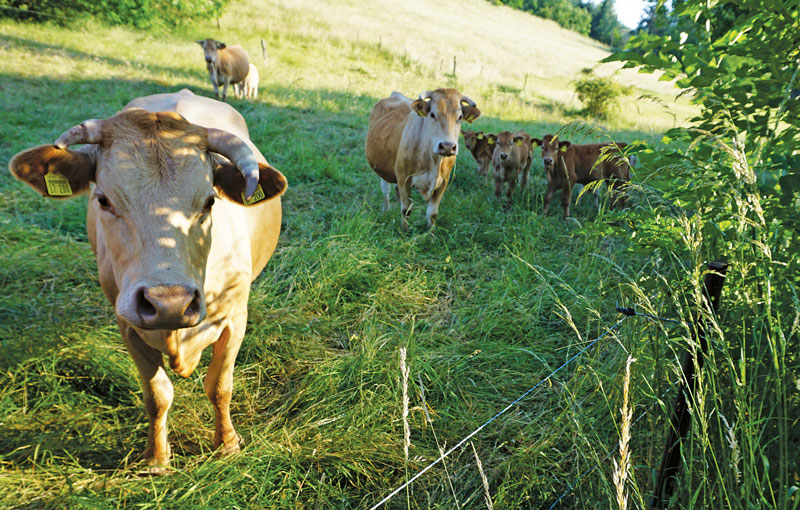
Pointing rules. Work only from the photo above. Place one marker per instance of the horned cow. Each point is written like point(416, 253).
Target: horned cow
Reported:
point(415, 143)
point(176, 246)
point(227, 65)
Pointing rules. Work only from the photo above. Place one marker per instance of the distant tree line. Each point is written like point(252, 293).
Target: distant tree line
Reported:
point(138, 13)
point(598, 21)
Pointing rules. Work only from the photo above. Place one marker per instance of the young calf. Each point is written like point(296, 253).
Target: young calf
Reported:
point(567, 164)
point(478, 144)
point(512, 155)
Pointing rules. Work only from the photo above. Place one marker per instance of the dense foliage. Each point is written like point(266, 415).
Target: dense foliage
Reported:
point(727, 187)
point(597, 21)
point(600, 95)
point(138, 13)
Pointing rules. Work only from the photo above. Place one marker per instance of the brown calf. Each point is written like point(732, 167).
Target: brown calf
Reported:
point(567, 164)
point(478, 144)
point(512, 156)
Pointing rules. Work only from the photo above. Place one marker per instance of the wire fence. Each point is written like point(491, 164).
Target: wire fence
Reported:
point(493, 418)
point(626, 312)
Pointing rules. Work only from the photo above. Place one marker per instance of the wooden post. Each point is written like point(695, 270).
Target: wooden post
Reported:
point(264, 50)
point(681, 419)
point(525, 83)
point(454, 66)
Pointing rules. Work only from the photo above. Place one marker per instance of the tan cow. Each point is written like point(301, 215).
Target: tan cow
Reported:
point(567, 164)
point(477, 142)
point(227, 65)
point(511, 160)
point(176, 247)
point(415, 143)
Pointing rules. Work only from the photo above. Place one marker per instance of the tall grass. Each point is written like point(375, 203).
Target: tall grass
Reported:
point(484, 308)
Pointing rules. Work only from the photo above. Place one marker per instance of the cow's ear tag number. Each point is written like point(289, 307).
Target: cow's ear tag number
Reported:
point(257, 196)
point(57, 185)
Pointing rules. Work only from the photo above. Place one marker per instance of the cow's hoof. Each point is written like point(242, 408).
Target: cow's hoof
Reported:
point(150, 468)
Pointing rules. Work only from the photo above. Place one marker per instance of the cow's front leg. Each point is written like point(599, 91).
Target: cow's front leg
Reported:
point(386, 188)
point(548, 196)
point(433, 204)
point(212, 73)
point(404, 190)
point(226, 81)
point(157, 395)
point(218, 385)
point(566, 198)
point(512, 184)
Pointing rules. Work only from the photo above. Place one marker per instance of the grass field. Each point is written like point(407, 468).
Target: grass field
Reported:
point(486, 306)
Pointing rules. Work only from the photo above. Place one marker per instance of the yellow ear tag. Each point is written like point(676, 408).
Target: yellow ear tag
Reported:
point(57, 185)
point(563, 148)
point(470, 118)
point(480, 137)
point(257, 196)
point(518, 142)
point(490, 141)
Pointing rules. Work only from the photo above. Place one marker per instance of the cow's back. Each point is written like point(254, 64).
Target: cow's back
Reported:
point(386, 123)
point(585, 157)
point(263, 218)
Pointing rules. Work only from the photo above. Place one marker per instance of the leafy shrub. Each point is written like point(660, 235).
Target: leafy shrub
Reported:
point(600, 96)
point(137, 13)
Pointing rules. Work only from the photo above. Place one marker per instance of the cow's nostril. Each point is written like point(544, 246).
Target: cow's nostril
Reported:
point(144, 307)
point(194, 307)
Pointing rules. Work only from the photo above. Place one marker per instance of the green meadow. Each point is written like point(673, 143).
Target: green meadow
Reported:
point(485, 306)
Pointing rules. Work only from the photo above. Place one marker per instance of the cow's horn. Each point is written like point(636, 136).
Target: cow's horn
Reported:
point(426, 95)
point(88, 131)
point(234, 148)
point(465, 99)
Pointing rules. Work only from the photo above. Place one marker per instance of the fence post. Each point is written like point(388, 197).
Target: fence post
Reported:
point(681, 419)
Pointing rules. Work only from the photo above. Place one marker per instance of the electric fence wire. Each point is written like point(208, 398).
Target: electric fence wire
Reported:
point(493, 418)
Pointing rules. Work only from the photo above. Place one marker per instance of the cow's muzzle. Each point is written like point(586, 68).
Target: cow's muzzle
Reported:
point(548, 162)
point(447, 148)
point(168, 307)
point(503, 155)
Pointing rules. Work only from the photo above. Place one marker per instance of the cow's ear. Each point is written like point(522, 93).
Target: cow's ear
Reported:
point(536, 142)
point(229, 180)
point(220, 45)
point(200, 42)
point(422, 107)
point(562, 146)
point(54, 172)
point(518, 140)
point(480, 135)
point(471, 113)
point(490, 139)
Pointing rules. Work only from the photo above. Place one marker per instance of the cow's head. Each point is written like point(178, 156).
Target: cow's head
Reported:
point(504, 141)
point(157, 178)
point(471, 138)
point(552, 147)
point(210, 47)
point(443, 110)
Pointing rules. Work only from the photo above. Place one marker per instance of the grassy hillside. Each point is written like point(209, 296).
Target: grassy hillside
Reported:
point(486, 306)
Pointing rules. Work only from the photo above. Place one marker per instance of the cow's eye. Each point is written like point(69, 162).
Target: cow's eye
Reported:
point(460, 117)
point(209, 204)
point(104, 203)
point(433, 116)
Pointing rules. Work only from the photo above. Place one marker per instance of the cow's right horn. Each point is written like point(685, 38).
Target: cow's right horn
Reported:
point(88, 131)
point(465, 99)
point(234, 148)
point(426, 95)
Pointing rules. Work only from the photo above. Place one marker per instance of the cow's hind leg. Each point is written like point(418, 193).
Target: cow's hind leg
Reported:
point(386, 187)
point(219, 389)
point(157, 395)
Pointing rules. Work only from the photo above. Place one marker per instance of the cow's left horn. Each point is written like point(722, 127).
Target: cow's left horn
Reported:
point(234, 148)
point(465, 99)
point(426, 95)
point(88, 131)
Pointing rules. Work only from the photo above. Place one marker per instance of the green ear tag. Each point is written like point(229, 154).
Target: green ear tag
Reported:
point(57, 185)
point(257, 196)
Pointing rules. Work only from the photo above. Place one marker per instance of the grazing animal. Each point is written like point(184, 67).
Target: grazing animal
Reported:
point(176, 246)
point(567, 164)
point(227, 65)
point(248, 88)
point(481, 149)
point(415, 143)
point(511, 160)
